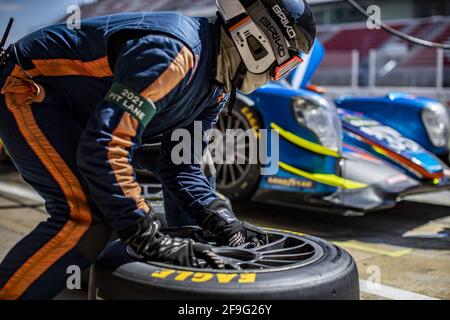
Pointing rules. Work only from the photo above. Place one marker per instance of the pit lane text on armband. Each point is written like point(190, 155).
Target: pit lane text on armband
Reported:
point(132, 102)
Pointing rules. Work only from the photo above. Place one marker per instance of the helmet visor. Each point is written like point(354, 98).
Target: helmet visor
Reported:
point(280, 71)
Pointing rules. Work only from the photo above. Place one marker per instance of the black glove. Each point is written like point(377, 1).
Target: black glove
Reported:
point(219, 219)
point(149, 244)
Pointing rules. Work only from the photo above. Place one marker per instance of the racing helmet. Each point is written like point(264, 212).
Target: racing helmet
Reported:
point(269, 34)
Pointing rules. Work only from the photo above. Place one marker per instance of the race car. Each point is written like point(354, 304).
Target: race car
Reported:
point(340, 160)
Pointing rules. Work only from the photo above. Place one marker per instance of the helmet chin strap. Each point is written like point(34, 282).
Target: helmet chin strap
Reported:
point(237, 83)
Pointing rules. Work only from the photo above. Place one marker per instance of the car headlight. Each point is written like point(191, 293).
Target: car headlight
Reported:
point(320, 116)
point(436, 121)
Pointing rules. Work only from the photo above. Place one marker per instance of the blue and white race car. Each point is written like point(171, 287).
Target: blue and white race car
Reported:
point(349, 156)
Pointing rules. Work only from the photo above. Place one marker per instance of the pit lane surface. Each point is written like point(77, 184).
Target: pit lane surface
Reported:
point(406, 249)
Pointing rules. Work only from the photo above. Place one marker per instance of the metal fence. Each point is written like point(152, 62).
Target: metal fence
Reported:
point(425, 72)
point(420, 67)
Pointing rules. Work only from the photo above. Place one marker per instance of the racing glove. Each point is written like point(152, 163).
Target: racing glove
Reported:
point(148, 243)
point(219, 219)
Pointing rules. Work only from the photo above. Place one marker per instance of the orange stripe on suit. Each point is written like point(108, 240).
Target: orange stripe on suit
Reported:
point(66, 67)
point(19, 95)
point(118, 155)
point(171, 77)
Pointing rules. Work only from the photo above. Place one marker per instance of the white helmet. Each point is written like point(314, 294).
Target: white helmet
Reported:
point(269, 34)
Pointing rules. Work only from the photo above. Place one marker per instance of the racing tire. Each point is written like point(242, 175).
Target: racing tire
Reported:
point(235, 181)
point(330, 274)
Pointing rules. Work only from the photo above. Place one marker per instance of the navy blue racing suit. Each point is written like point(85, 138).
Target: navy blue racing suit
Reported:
point(75, 107)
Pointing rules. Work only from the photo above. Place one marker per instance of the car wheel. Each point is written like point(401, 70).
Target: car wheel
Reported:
point(291, 266)
point(239, 181)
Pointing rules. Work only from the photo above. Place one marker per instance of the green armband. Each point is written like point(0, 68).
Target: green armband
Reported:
point(143, 110)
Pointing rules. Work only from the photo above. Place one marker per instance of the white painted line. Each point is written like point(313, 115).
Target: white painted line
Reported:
point(384, 291)
point(14, 189)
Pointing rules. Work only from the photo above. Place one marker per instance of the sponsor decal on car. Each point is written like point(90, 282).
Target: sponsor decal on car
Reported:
point(359, 122)
point(385, 134)
point(204, 277)
point(292, 183)
point(392, 138)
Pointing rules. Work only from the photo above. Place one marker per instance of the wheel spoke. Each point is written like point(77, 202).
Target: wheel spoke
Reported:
point(242, 158)
point(247, 265)
point(229, 123)
point(224, 174)
point(273, 262)
point(285, 250)
point(239, 167)
point(232, 173)
point(290, 257)
point(241, 138)
point(241, 149)
point(221, 124)
point(237, 124)
point(279, 243)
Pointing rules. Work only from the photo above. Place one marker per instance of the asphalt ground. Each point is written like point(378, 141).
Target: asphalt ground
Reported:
point(402, 253)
